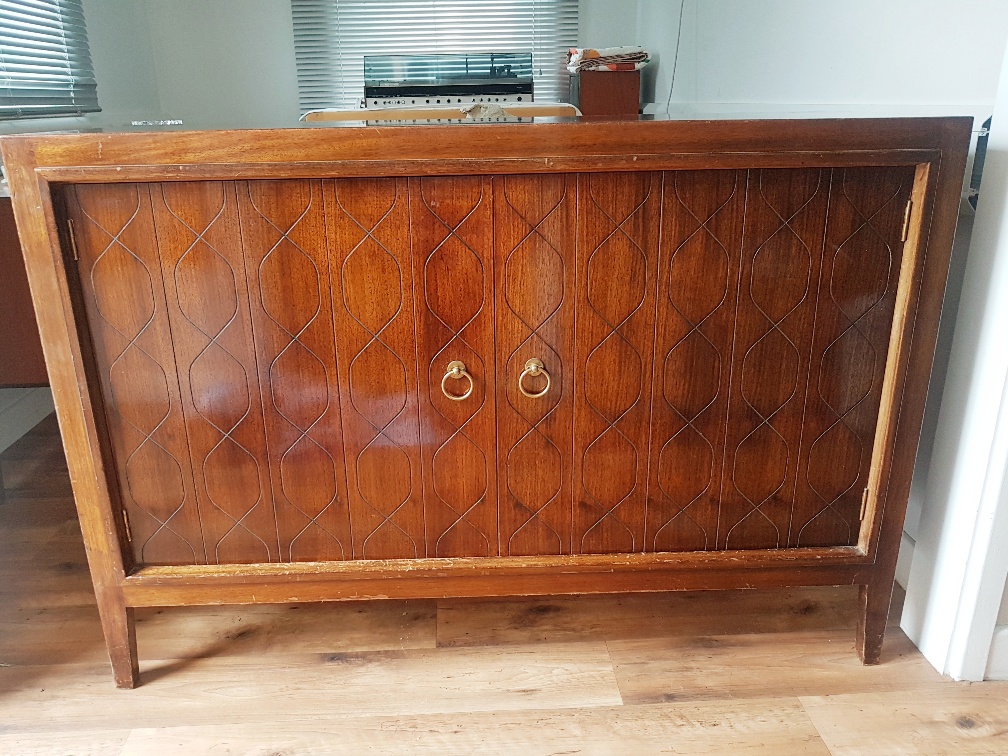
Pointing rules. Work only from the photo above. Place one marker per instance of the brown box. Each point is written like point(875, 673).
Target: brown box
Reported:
point(606, 93)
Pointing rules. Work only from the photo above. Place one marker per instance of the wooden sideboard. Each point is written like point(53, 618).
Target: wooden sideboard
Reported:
point(358, 362)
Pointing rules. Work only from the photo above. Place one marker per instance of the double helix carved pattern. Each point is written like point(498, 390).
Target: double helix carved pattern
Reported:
point(122, 285)
point(534, 288)
point(777, 283)
point(696, 316)
point(377, 376)
point(863, 258)
point(455, 280)
point(290, 286)
point(616, 372)
point(208, 300)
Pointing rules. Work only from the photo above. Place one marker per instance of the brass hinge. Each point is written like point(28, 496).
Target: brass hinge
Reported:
point(73, 239)
point(906, 221)
point(129, 536)
point(864, 503)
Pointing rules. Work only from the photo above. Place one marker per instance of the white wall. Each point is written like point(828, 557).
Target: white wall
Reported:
point(1003, 613)
point(119, 41)
point(123, 61)
point(857, 52)
point(225, 63)
point(607, 23)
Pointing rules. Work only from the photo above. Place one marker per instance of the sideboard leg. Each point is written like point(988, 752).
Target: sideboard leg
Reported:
point(120, 638)
point(874, 605)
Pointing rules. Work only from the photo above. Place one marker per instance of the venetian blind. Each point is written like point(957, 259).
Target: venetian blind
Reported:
point(331, 38)
point(45, 66)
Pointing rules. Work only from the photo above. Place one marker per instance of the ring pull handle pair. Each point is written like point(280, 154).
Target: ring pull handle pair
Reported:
point(457, 371)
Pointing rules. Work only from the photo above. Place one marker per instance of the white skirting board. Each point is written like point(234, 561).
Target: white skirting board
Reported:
point(904, 560)
point(997, 661)
point(21, 409)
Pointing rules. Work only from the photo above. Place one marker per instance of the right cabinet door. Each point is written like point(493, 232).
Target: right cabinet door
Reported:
point(775, 300)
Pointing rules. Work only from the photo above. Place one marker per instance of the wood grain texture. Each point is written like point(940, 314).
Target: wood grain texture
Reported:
point(21, 360)
point(372, 301)
point(205, 276)
point(564, 619)
point(950, 719)
point(855, 304)
point(781, 262)
point(772, 376)
point(534, 238)
point(911, 348)
point(73, 376)
point(339, 683)
point(349, 151)
point(385, 675)
point(451, 230)
point(287, 264)
point(124, 294)
point(703, 668)
point(618, 236)
point(695, 322)
point(744, 727)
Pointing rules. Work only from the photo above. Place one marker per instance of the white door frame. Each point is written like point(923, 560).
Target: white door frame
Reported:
point(960, 559)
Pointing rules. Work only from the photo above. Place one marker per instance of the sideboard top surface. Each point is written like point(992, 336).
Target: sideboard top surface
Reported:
point(489, 148)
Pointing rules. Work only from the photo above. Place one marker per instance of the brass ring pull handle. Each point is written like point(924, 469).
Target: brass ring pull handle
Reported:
point(534, 367)
point(456, 370)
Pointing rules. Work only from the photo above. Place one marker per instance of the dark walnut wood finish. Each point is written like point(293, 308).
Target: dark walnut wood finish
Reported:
point(21, 360)
point(531, 359)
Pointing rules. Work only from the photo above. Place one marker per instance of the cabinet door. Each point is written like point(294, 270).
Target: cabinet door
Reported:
point(861, 266)
point(283, 233)
point(376, 342)
point(772, 342)
point(124, 298)
point(205, 278)
point(534, 222)
point(618, 232)
point(698, 275)
point(452, 236)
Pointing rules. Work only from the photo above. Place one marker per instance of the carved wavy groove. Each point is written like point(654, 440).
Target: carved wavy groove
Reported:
point(830, 499)
point(294, 339)
point(381, 435)
point(133, 345)
point(612, 423)
point(533, 229)
point(459, 430)
point(754, 500)
point(687, 416)
point(212, 335)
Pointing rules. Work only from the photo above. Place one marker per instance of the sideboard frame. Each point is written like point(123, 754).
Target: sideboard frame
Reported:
point(38, 165)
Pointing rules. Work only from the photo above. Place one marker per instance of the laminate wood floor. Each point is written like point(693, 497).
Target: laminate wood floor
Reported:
point(745, 672)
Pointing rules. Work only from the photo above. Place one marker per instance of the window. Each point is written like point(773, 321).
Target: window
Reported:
point(331, 38)
point(45, 66)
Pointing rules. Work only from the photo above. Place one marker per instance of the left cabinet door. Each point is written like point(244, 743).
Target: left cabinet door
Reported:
point(214, 345)
point(124, 298)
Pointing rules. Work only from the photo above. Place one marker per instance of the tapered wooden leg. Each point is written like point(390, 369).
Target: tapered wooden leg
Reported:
point(120, 638)
point(874, 606)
